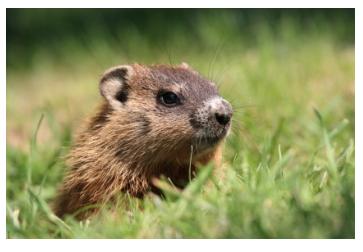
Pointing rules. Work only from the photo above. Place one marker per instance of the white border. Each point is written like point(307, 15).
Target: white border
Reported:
point(358, 123)
point(3, 124)
point(180, 4)
point(185, 245)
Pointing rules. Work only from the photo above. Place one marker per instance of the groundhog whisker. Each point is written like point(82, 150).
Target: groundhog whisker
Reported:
point(222, 73)
point(211, 63)
point(169, 55)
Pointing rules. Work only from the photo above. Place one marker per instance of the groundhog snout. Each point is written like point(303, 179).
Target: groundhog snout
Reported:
point(222, 112)
point(213, 117)
point(219, 116)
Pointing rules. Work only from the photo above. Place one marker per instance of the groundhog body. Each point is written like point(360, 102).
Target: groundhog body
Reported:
point(154, 120)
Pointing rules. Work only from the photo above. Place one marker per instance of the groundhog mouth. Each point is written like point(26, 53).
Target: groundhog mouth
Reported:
point(209, 139)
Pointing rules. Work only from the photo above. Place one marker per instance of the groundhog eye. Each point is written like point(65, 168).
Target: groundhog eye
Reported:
point(169, 99)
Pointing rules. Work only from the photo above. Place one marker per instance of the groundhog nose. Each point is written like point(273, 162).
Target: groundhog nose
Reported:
point(222, 119)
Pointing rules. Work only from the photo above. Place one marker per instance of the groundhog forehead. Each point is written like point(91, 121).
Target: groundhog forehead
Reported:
point(181, 79)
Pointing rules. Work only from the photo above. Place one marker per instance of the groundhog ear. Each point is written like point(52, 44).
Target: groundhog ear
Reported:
point(184, 65)
point(114, 84)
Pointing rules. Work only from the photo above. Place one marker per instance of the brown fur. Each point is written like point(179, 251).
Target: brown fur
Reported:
point(123, 149)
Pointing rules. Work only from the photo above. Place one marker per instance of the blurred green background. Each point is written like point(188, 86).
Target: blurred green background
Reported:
point(291, 171)
point(34, 31)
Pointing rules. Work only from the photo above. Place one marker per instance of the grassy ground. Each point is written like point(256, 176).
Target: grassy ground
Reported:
point(289, 159)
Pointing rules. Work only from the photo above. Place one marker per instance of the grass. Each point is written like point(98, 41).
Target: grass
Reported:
point(289, 160)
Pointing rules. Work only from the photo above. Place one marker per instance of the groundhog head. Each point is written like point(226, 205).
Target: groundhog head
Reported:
point(168, 108)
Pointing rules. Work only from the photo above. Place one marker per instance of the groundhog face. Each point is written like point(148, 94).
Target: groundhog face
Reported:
point(174, 106)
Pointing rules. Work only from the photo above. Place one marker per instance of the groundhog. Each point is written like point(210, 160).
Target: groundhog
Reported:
point(154, 121)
